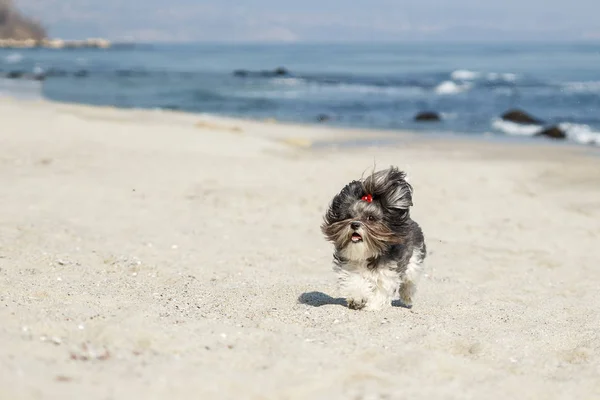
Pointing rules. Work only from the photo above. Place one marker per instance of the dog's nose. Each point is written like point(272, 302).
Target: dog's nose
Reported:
point(355, 225)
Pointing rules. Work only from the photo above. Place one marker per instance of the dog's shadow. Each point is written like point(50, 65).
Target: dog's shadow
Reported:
point(319, 299)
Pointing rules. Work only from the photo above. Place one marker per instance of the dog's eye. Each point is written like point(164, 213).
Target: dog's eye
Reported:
point(370, 218)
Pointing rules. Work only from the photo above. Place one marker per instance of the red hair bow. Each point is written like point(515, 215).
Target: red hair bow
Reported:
point(368, 198)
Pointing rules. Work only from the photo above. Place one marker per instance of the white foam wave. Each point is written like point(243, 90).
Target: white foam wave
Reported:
point(507, 77)
point(579, 133)
point(464, 75)
point(511, 128)
point(449, 87)
point(446, 116)
point(13, 58)
point(371, 89)
point(289, 81)
point(583, 87)
point(303, 89)
point(285, 86)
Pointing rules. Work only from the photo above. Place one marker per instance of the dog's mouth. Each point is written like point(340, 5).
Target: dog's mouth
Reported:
point(356, 238)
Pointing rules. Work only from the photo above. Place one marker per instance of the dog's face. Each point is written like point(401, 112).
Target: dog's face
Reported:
point(368, 215)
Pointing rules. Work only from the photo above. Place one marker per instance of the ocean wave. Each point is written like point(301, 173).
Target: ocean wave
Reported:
point(511, 128)
point(579, 133)
point(299, 85)
point(13, 58)
point(507, 77)
point(289, 81)
point(449, 116)
point(582, 87)
point(450, 87)
point(464, 75)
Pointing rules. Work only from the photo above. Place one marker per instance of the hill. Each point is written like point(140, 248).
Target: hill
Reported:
point(14, 25)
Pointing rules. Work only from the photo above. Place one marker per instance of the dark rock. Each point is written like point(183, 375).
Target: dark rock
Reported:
point(427, 116)
point(323, 118)
point(82, 73)
point(173, 107)
point(553, 132)
point(520, 117)
point(242, 73)
point(14, 74)
point(281, 71)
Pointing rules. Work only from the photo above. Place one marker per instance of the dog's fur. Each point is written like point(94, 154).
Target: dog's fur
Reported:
point(384, 262)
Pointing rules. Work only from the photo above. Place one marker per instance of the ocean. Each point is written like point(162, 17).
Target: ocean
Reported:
point(378, 86)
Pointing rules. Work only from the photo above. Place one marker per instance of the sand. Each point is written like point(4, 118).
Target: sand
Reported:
point(157, 255)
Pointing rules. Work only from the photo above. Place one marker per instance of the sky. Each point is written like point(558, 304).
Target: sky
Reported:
point(318, 20)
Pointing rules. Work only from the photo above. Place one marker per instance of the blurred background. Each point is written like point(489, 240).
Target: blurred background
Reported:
point(508, 69)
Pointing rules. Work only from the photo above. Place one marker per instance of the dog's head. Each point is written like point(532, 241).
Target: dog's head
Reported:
point(368, 215)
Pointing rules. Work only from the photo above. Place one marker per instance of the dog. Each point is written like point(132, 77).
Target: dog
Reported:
point(379, 250)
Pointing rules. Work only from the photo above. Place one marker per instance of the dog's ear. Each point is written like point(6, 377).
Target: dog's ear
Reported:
point(391, 188)
point(344, 199)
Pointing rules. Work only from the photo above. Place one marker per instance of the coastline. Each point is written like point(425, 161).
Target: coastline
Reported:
point(304, 134)
point(468, 97)
point(163, 254)
point(55, 43)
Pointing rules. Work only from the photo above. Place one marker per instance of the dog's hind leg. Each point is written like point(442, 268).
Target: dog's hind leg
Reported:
point(411, 276)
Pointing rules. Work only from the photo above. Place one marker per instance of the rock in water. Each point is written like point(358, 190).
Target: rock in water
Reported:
point(244, 73)
point(323, 117)
point(553, 132)
point(427, 116)
point(519, 117)
point(281, 71)
point(241, 73)
point(14, 74)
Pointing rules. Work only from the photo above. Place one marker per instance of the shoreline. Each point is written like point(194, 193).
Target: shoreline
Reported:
point(317, 135)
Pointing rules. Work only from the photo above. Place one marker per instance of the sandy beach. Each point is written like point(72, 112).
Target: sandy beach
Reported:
point(157, 255)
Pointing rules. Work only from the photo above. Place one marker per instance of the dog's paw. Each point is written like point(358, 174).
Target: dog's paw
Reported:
point(406, 303)
point(356, 304)
point(407, 291)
